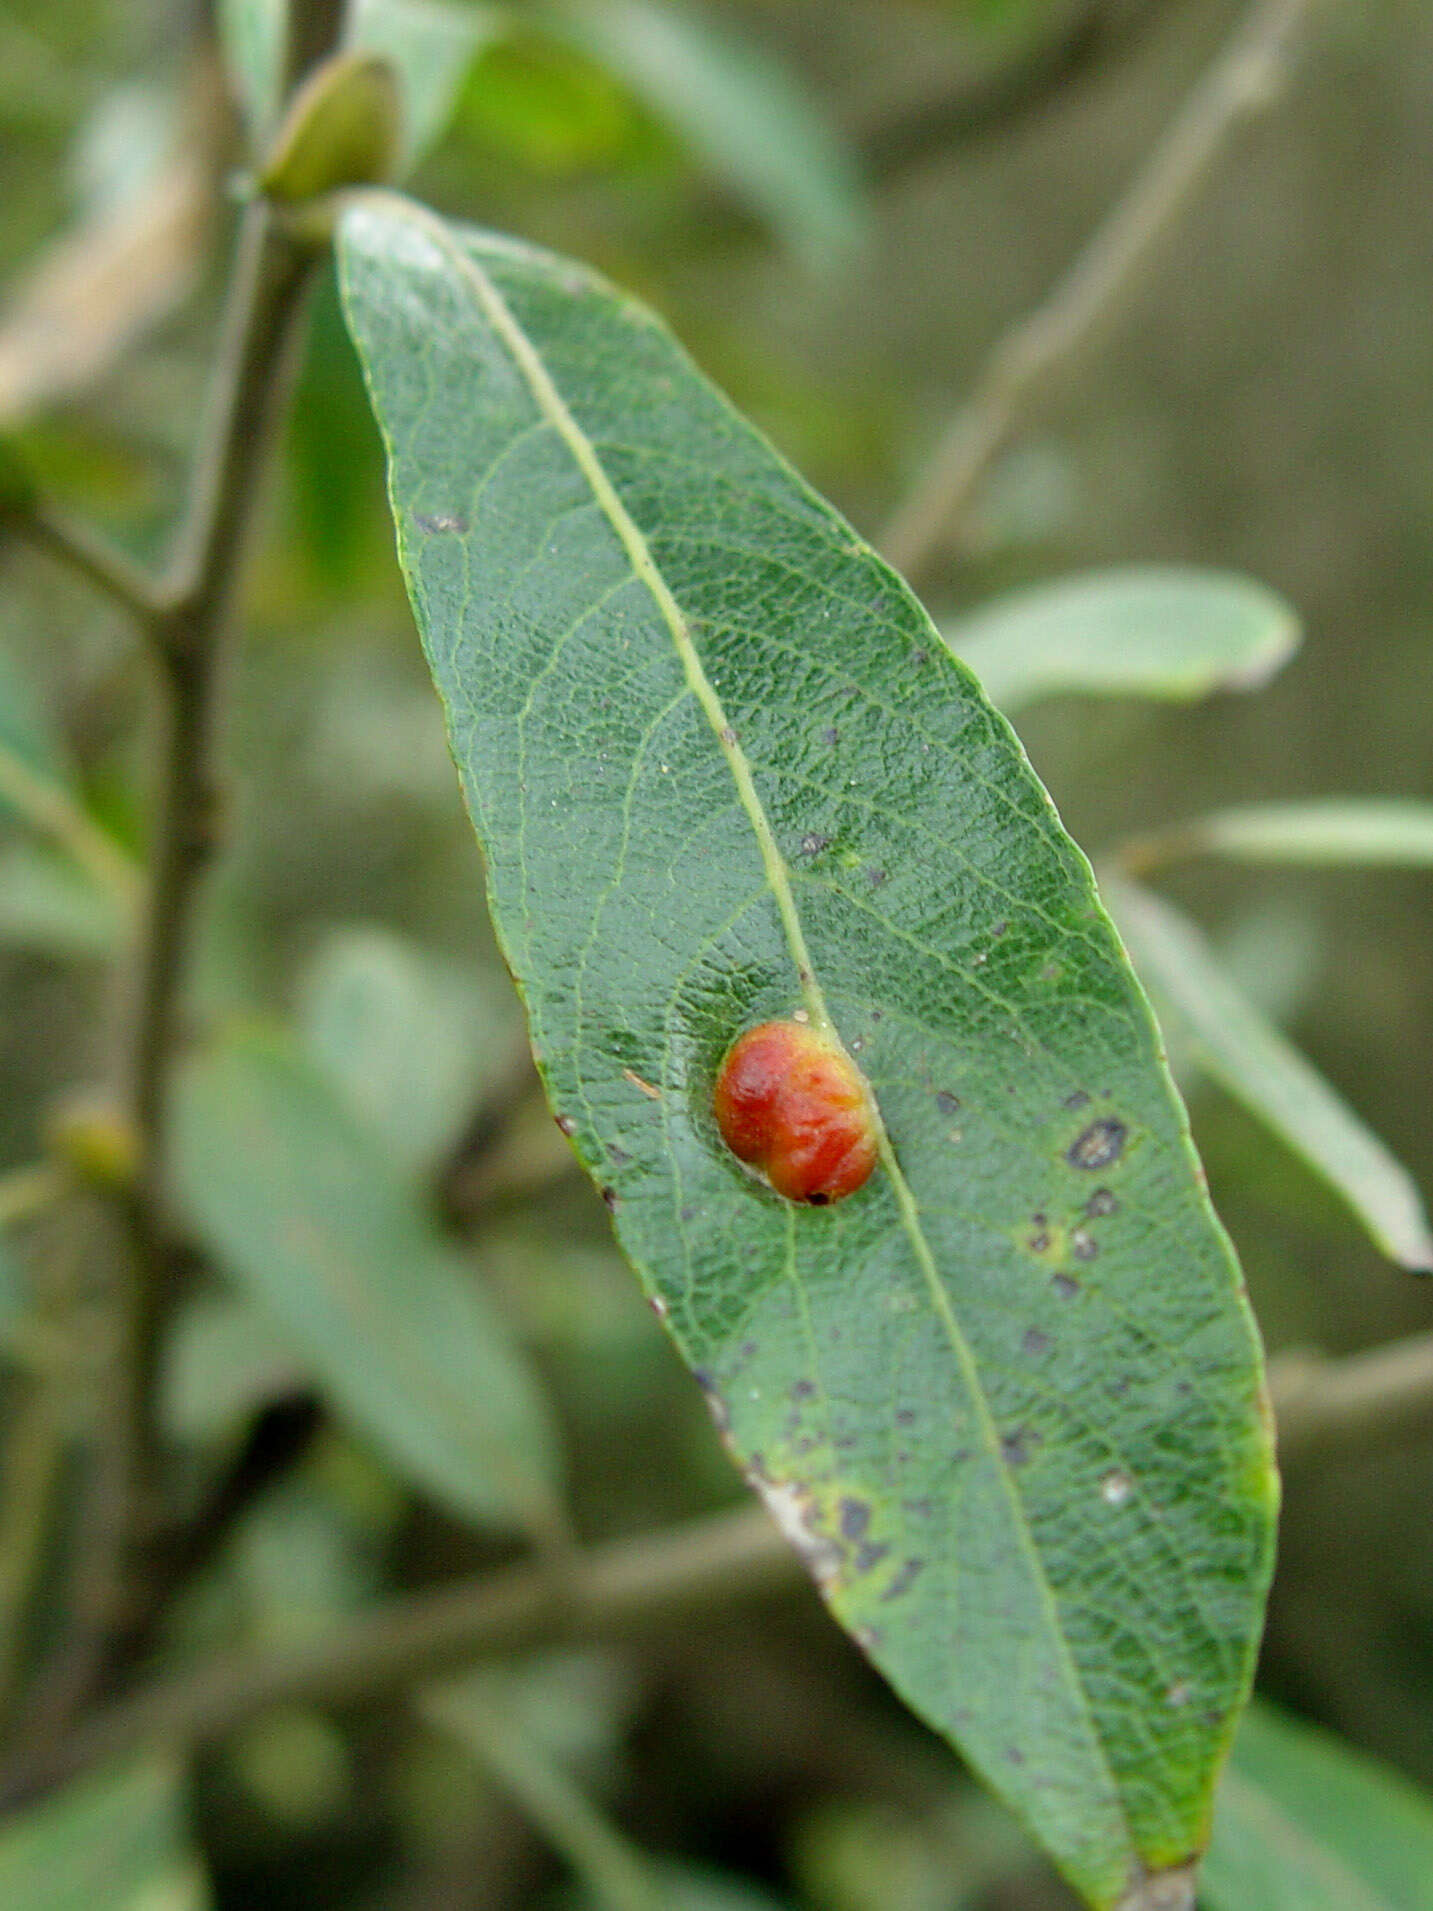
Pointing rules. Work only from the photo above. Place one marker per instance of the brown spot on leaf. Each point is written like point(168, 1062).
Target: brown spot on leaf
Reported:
point(1100, 1144)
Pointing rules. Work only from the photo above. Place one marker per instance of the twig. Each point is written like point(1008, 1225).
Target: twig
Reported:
point(1357, 1404)
point(630, 1586)
point(615, 1590)
point(1244, 79)
point(618, 1876)
point(187, 622)
point(83, 551)
point(1038, 72)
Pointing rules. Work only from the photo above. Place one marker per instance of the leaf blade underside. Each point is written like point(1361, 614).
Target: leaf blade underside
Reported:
point(724, 771)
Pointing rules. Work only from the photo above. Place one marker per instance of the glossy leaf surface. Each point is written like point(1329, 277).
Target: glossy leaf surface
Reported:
point(299, 1204)
point(1306, 1823)
point(1159, 631)
point(1262, 1069)
point(1006, 1398)
point(115, 1842)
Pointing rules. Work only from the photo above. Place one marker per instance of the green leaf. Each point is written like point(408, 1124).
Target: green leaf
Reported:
point(1371, 830)
point(254, 34)
point(1305, 1823)
point(1152, 631)
point(116, 1842)
point(1006, 1399)
point(431, 46)
point(301, 1206)
point(53, 905)
point(1264, 1071)
point(224, 1361)
point(737, 108)
point(410, 1040)
point(30, 748)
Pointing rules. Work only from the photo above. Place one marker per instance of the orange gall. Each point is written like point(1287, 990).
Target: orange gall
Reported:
point(790, 1102)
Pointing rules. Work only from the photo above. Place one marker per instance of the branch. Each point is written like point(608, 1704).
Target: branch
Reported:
point(187, 619)
point(1244, 79)
point(84, 552)
point(619, 1589)
point(1358, 1404)
point(626, 1588)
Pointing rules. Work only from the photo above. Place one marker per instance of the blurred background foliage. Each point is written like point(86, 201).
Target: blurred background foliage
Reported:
point(1261, 403)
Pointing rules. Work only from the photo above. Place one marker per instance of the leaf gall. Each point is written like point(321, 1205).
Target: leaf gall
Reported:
point(789, 1102)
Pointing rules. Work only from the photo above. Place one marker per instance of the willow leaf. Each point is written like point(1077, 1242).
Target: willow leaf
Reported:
point(1006, 1398)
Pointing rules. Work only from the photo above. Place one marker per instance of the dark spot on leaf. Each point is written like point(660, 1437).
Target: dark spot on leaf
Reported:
point(812, 844)
point(905, 1416)
point(998, 929)
point(1078, 1100)
point(1100, 1144)
point(705, 1379)
point(747, 1349)
point(875, 877)
point(855, 1518)
point(803, 1389)
point(843, 1441)
point(566, 1124)
point(904, 1579)
point(689, 1214)
point(1038, 1242)
point(869, 1556)
point(1066, 1286)
point(947, 1103)
point(921, 657)
point(440, 521)
point(1014, 1755)
point(918, 1509)
point(1083, 1245)
point(1017, 1448)
point(831, 736)
point(1101, 1202)
point(609, 1195)
point(1034, 1343)
point(619, 1157)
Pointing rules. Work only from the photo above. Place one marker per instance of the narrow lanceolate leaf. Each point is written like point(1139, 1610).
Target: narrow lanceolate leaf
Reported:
point(431, 45)
point(117, 1842)
point(1005, 1397)
point(736, 106)
point(1305, 1823)
point(1149, 631)
point(299, 1204)
point(1264, 1071)
point(1372, 831)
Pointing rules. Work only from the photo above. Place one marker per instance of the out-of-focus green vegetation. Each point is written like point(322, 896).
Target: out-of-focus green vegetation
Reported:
point(1261, 405)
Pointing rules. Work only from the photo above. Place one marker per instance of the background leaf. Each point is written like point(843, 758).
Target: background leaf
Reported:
point(116, 1842)
point(254, 34)
point(300, 1205)
point(410, 1039)
point(1264, 1071)
point(723, 770)
point(1371, 830)
point(738, 109)
point(432, 46)
point(1148, 631)
point(1305, 1823)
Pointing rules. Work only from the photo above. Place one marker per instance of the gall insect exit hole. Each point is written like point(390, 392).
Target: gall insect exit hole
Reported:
point(789, 1102)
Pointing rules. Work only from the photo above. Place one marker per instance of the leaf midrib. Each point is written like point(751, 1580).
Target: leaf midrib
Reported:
point(551, 403)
